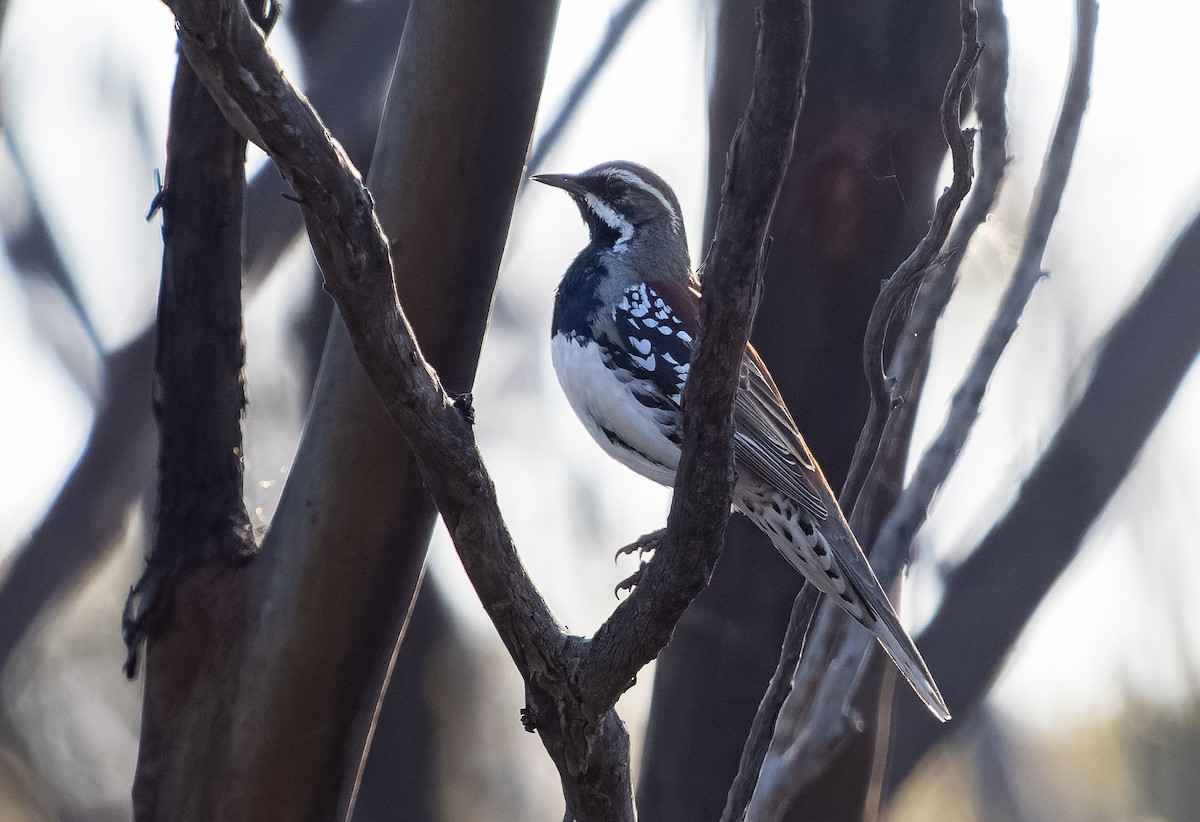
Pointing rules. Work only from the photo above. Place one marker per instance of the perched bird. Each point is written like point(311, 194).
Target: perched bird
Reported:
point(626, 315)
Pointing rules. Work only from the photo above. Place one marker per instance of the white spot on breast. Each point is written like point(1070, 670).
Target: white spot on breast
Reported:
point(643, 346)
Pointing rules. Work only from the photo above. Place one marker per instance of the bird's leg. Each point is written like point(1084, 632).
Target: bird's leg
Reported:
point(643, 545)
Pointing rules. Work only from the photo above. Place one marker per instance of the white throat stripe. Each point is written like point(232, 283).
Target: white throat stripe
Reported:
point(612, 218)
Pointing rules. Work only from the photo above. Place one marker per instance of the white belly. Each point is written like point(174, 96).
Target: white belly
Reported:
point(603, 403)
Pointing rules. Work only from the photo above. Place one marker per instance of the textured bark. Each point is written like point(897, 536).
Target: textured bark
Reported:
point(190, 601)
point(348, 60)
point(854, 204)
point(340, 565)
point(571, 683)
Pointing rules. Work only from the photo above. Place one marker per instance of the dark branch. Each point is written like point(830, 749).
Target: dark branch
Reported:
point(819, 718)
point(761, 149)
point(571, 683)
point(991, 85)
point(909, 512)
point(202, 532)
point(895, 298)
point(763, 727)
point(199, 355)
point(990, 597)
point(827, 721)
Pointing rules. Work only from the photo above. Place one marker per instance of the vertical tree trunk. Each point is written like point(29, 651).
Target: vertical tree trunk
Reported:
point(855, 202)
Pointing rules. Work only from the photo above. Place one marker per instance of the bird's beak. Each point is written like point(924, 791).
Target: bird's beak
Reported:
point(567, 182)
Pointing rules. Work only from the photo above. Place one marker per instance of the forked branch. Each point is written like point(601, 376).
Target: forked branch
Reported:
point(572, 683)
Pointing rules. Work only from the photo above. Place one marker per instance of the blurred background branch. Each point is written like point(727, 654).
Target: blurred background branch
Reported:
point(1089, 714)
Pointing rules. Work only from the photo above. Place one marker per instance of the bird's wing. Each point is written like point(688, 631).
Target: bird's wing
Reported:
point(768, 442)
point(649, 345)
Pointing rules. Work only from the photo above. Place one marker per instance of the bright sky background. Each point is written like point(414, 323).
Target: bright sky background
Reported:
point(1135, 184)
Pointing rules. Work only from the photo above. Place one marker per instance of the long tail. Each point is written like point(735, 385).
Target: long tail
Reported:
point(834, 563)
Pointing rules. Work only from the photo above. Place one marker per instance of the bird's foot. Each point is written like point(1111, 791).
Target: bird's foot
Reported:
point(643, 545)
point(630, 581)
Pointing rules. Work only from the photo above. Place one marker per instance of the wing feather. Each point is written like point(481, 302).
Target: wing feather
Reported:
point(769, 443)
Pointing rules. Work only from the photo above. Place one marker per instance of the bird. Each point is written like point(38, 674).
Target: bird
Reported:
point(625, 320)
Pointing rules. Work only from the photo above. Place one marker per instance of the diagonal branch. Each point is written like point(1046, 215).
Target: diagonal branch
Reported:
point(820, 725)
point(895, 298)
point(758, 159)
point(571, 683)
point(901, 525)
point(990, 597)
point(763, 727)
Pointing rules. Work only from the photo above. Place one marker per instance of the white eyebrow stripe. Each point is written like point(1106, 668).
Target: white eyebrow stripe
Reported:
point(637, 181)
point(612, 218)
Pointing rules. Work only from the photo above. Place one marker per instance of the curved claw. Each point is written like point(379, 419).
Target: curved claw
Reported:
point(630, 581)
point(642, 545)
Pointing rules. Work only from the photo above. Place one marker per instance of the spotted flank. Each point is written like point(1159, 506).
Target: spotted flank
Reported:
point(828, 556)
point(793, 532)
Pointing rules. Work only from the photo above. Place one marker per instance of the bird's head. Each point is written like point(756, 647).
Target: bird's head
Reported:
point(629, 210)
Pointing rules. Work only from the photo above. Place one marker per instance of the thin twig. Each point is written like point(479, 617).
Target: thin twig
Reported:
point(909, 512)
point(991, 85)
point(618, 26)
point(826, 722)
point(989, 598)
point(763, 726)
point(895, 298)
point(802, 726)
point(910, 363)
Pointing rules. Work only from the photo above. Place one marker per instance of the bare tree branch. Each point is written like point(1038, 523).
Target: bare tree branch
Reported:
point(865, 164)
point(991, 84)
point(991, 596)
point(901, 525)
point(817, 720)
point(584, 738)
point(758, 159)
point(202, 530)
point(81, 524)
point(895, 298)
point(828, 718)
point(763, 727)
point(337, 571)
point(348, 61)
point(199, 356)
